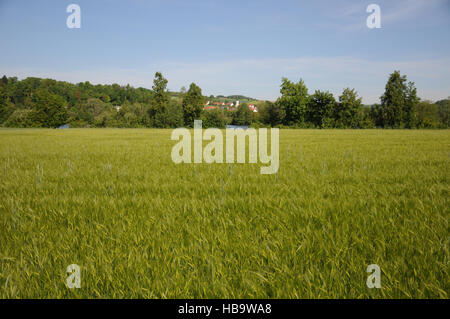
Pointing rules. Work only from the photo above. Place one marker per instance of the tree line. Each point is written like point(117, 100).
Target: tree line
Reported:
point(399, 108)
point(36, 102)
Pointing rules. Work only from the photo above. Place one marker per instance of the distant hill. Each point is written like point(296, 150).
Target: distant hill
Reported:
point(229, 98)
point(217, 98)
point(239, 97)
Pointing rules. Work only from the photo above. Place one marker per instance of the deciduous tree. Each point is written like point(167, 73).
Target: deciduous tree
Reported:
point(293, 101)
point(399, 102)
point(160, 100)
point(242, 116)
point(320, 108)
point(346, 110)
point(192, 104)
point(49, 109)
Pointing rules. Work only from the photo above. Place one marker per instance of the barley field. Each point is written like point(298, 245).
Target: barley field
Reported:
point(139, 226)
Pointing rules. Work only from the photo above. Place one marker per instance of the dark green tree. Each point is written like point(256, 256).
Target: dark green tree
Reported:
point(242, 116)
point(293, 101)
point(6, 108)
point(376, 114)
point(347, 110)
point(320, 109)
point(49, 109)
point(271, 113)
point(4, 80)
point(427, 115)
point(411, 102)
point(444, 112)
point(393, 100)
point(175, 116)
point(399, 102)
point(364, 119)
point(20, 118)
point(192, 104)
point(160, 101)
point(214, 118)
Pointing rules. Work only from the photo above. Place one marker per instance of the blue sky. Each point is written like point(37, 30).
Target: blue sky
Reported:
point(231, 47)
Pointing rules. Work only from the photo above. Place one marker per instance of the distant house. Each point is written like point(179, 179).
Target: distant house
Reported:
point(64, 126)
point(117, 107)
point(207, 108)
point(253, 108)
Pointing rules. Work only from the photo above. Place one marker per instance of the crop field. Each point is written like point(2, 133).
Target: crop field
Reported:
point(139, 226)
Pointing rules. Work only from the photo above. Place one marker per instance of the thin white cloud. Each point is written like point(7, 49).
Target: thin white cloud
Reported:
point(351, 16)
point(408, 9)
